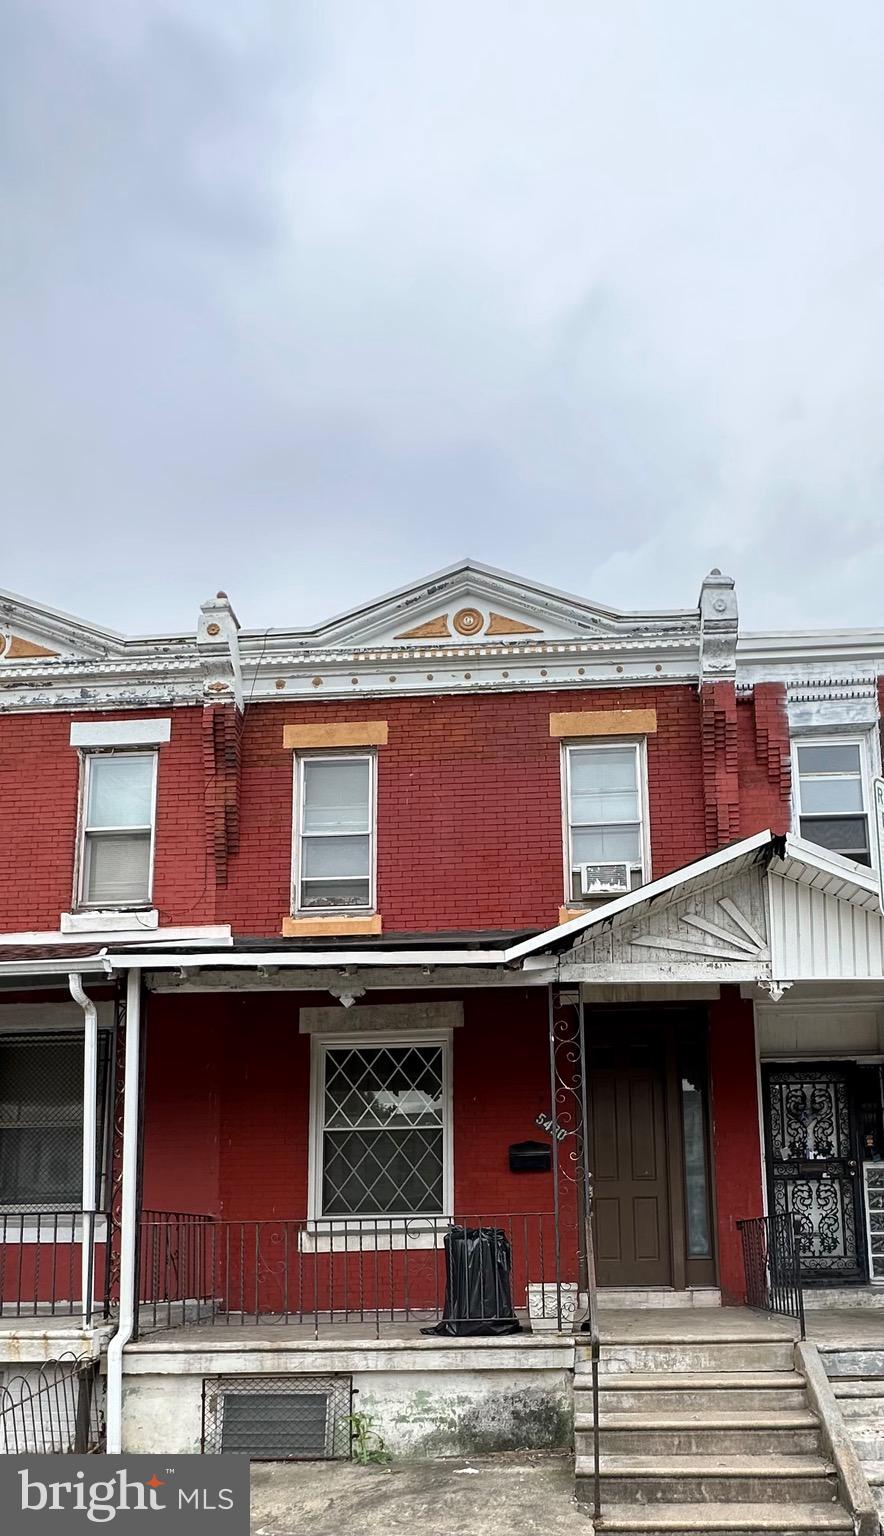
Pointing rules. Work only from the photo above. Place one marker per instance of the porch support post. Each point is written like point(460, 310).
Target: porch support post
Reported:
point(128, 1216)
point(554, 1126)
point(590, 1323)
point(90, 1142)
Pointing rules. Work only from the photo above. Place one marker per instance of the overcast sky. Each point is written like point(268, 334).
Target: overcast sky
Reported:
point(305, 300)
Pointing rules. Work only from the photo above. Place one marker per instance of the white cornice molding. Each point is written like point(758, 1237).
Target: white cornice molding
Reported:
point(361, 653)
point(801, 648)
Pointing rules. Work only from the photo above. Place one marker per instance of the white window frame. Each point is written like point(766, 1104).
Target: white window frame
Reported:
point(609, 743)
point(80, 902)
point(861, 739)
point(367, 1227)
point(301, 758)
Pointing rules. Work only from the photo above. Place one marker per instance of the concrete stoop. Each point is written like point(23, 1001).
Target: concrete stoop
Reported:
point(705, 1435)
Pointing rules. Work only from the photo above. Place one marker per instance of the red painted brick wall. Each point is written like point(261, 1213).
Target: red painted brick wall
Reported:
point(469, 804)
point(735, 1131)
point(39, 770)
point(226, 1134)
point(227, 1091)
point(765, 761)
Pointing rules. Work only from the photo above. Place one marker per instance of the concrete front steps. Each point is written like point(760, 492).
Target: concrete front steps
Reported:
point(710, 1433)
point(861, 1400)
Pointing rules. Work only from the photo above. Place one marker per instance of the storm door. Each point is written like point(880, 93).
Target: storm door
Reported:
point(813, 1166)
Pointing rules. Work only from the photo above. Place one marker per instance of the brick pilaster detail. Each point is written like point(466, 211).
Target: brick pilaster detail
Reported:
point(721, 776)
point(222, 762)
point(772, 747)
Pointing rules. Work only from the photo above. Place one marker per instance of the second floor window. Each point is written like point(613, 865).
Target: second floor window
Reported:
point(334, 839)
point(605, 819)
point(831, 798)
point(116, 852)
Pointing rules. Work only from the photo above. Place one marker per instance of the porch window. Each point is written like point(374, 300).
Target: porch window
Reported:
point(832, 798)
point(383, 1138)
point(116, 853)
point(41, 1119)
point(334, 842)
point(605, 819)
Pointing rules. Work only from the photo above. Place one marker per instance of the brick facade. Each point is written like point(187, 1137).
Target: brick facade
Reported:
point(470, 826)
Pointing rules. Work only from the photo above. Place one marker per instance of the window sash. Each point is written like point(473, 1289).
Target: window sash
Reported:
point(93, 833)
point(807, 818)
point(301, 881)
point(575, 825)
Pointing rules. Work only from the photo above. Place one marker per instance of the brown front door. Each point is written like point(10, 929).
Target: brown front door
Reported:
point(630, 1181)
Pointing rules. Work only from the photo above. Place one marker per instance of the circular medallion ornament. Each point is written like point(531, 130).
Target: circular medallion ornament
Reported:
point(467, 621)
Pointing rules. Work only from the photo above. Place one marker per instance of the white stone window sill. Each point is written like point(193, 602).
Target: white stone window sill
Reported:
point(129, 920)
point(374, 1236)
point(52, 1228)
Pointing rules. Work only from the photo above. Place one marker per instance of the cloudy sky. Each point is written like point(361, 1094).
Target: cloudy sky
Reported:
point(307, 298)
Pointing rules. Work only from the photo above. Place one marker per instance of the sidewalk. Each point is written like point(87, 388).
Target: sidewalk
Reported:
point(521, 1494)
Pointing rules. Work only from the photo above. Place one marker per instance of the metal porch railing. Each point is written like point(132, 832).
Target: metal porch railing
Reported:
point(772, 1266)
point(50, 1260)
point(321, 1274)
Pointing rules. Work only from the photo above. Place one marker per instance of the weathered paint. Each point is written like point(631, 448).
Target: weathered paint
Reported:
point(415, 1412)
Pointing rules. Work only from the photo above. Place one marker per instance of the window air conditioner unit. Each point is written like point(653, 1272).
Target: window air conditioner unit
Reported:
point(604, 879)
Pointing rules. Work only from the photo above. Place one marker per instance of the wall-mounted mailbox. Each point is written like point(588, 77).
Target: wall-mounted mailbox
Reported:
point(530, 1157)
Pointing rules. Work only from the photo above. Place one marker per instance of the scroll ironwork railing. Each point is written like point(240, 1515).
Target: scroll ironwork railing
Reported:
point(54, 1410)
point(772, 1266)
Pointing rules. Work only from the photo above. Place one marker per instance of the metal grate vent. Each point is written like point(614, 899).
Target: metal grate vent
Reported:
point(278, 1418)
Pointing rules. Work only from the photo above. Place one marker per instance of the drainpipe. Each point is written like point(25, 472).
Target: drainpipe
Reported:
point(90, 1141)
point(128, 1219)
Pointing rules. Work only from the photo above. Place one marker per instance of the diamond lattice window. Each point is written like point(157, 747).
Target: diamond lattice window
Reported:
point(383, 1132)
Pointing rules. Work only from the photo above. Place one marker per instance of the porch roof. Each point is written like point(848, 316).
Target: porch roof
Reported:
point(791, 909)
point(793, 858)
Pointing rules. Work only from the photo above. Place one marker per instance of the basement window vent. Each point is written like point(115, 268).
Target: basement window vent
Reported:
point(278, 1418)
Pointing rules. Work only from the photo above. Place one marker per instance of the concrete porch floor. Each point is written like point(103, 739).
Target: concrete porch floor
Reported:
point(837, 1326)
point(842, 1326)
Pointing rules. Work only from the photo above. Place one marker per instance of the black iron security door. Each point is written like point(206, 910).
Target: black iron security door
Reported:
point(811, 1136)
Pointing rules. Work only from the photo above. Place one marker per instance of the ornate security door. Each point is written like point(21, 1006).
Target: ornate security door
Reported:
point(813, 1165)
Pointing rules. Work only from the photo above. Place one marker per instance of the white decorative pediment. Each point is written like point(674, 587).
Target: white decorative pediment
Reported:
point(473, 603)
point(719, 932)
point(30, 632)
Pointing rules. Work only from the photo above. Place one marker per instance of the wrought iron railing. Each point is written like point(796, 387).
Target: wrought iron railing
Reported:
point(51, 1260)
point(375, 1272)
point(55, 1409)
point(772, 1266)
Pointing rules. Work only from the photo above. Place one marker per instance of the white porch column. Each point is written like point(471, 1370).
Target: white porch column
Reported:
point(128, 1217)
point(90, 1143)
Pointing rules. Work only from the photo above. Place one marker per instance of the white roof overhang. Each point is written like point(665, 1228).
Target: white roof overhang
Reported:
point(765, 910)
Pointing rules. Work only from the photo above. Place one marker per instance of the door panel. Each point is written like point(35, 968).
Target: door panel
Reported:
point(812, 1165)
point(607, 1231)
point(629, 1158)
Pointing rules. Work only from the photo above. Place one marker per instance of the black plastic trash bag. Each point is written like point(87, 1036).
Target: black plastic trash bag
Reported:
point(478, 1293)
